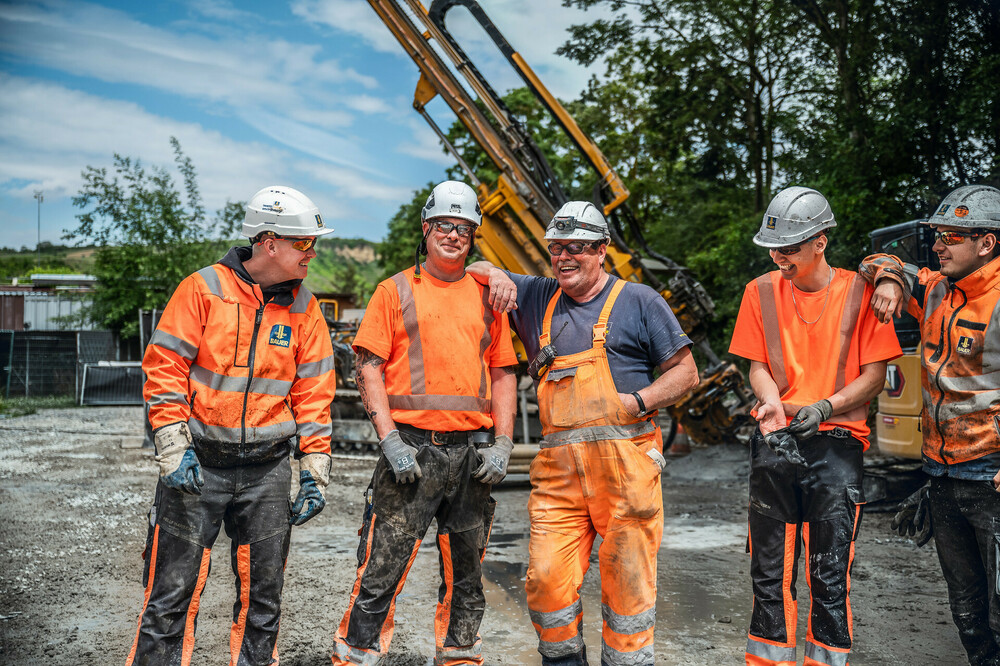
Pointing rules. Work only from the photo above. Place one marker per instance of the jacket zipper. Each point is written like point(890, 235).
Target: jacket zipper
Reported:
point(946, 339)
point(246, 392)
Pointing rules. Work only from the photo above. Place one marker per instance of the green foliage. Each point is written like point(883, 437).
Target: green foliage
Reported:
point(147, 238)
point(397, 250)
point(344, 265)
point(14, 407)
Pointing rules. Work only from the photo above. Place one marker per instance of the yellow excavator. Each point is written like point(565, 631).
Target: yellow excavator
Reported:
point(518, 206)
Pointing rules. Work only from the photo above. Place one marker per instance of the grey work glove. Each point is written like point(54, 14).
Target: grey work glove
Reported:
point(494, 460)
point(179, 466)
point(784, 443)
point(914, 517)
point(314, 477)
point(807, 420)
point(402, 458)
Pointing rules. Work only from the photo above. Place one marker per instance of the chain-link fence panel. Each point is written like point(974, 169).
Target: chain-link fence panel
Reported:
point(38, 363)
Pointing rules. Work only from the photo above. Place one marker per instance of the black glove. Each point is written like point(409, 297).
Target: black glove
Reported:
point(785, 445)
point(914, 517)
point(807, 420)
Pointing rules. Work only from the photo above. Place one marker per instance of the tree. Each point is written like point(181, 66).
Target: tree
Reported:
point(147, 239)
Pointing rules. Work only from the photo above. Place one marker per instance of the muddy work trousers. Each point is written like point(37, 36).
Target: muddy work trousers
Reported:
point(395, 521)
point(817, 509)
point(580, 490)
point(252, 502)
point(966, 520)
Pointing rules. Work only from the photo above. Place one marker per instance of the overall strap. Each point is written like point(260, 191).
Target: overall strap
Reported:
point(544, 338)
point(601, 327)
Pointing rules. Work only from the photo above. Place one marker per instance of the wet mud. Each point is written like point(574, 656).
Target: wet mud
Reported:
point(73, 506)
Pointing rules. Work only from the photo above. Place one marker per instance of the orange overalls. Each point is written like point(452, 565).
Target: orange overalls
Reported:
point(593, 475)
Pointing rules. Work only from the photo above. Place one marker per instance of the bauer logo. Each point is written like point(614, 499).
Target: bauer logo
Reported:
point(771, 220)
point(965, 345)
point(281, 335)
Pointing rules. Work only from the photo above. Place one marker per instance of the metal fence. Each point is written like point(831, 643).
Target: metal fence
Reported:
point(52, 363)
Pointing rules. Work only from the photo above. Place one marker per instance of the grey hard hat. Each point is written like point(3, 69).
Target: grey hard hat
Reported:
point(969, 206)
point(794, 215)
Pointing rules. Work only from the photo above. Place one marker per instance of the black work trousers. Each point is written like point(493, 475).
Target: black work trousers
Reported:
point(395, 521)
point(252, 502)
point(816, 508)
point(966, 520)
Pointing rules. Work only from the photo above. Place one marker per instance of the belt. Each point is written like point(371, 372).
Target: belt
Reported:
point(446, 438)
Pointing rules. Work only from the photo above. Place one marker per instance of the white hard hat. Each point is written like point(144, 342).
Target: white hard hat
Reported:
point(795, 214)
point(283, 211)
point(452, 199)
point(971, 206)
point(577, 220)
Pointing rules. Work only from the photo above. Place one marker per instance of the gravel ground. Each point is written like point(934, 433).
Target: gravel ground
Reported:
point(73, 503)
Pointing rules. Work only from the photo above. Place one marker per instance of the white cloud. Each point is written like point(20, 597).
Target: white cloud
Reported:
point(350, 16)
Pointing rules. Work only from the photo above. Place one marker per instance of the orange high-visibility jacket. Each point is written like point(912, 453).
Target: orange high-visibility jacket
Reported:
point(246, 376)
point(960, 355)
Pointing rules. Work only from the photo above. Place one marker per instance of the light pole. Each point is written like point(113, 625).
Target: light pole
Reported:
point(38, 252)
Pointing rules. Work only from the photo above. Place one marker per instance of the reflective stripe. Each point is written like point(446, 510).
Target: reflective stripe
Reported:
point(259, 385)
point(628, 624)
point(934, 299)
point(171, 398)
point(980, 402)
point(971, 383)
point(355, 655)
point(182, 348)
point(315, 368)
point(321, 429)
point(774, 653)
point(991, 340)
point(772, 333)
point(215, 433)
point(415, 354)
point(848, 321)
point(211, 280)
point(301, 303)
point(443, 403)
point(557, 618)
point(597, 433)
point(825, 656)
point(556, 649)
point(641, 657)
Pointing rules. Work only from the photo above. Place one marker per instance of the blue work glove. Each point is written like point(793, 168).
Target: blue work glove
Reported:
point(179, 467)
point(784, 443)
point(807, 420)
point(402, 458)
point(493, 467)
point(314, 476)
point(914, 517)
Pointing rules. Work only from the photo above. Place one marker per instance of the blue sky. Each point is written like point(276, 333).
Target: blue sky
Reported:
point(315, 94)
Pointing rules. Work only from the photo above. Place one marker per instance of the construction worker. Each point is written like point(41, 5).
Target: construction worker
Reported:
point(239, 374)
point(435, 370)
point(596, 342)
point(817, 357)
point(958, 309)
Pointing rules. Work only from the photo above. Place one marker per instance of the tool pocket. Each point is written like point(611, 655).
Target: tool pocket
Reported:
point(855, 504)
point(996, 556)
point(489, 509)
point(147, 553)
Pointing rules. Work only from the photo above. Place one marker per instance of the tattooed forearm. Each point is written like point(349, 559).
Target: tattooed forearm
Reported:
point(366, 358)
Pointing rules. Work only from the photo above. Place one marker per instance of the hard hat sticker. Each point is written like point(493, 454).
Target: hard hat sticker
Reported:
point(456, 208)
point(771, 221)
point(319, 221)
point(961, 211)
point(942, 210)
point(276, 207)
point(281, 335)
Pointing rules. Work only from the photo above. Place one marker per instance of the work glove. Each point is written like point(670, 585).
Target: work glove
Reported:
point(784, 443)
point(314, 476)
point(807, 420)
point(402, 458)
point(494, 459)
point(179, 467)
point(914, 517)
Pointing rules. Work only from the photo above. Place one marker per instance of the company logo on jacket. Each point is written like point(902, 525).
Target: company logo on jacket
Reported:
point(281, 335)
point(965, 345)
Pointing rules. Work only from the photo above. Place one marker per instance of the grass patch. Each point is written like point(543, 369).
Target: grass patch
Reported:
point(12, 407)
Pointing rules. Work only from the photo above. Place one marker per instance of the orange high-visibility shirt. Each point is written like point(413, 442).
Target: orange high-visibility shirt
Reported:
point(440, 340)
point(814, 361)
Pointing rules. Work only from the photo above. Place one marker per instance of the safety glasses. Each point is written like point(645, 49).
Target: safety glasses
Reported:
point(573, 247)
point(446, 227)
point(789, 250)
point(300, 244)
point(955, 237)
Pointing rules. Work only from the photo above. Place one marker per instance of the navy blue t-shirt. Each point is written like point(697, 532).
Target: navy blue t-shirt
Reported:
point(642, 331)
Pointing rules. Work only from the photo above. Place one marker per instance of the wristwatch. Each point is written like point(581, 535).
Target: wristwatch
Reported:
point(642, 405)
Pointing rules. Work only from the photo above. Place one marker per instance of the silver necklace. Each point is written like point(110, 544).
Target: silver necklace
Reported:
point(826, 300)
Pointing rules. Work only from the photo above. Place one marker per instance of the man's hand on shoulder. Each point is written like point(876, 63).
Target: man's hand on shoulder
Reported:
point(887, 301)
point(502, 290)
